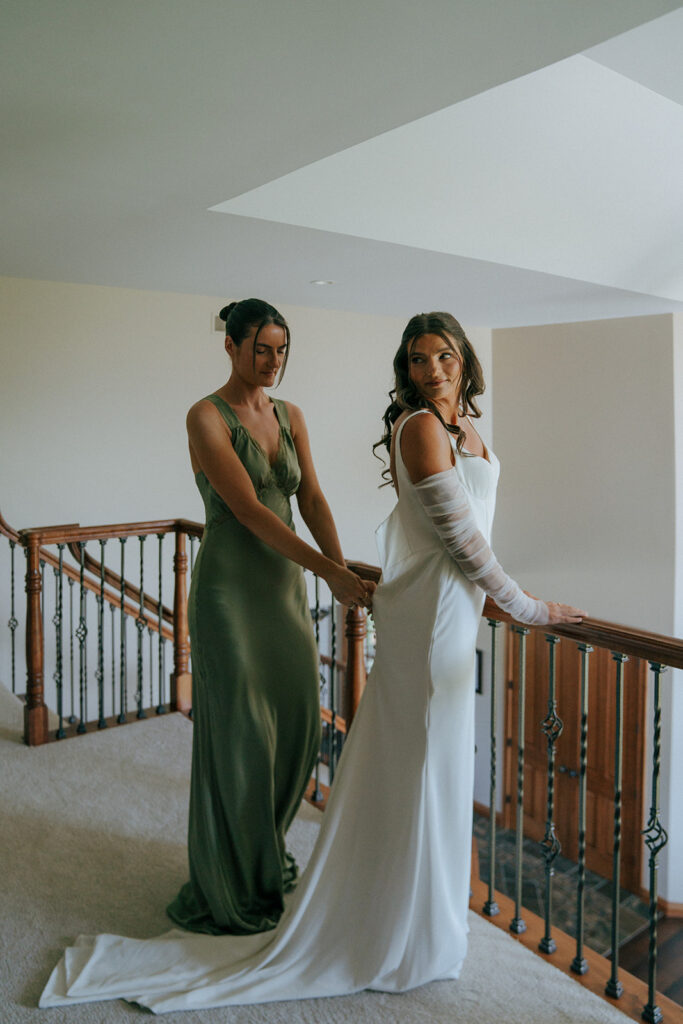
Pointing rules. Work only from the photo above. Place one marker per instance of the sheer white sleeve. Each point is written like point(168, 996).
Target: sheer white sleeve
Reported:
point(445, 501)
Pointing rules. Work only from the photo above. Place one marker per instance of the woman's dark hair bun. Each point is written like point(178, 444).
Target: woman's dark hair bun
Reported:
point(252, 315)
point(226, 311)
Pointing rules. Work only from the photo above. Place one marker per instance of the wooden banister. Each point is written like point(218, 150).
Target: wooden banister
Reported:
point(355, 632)
point(638, 643)
point(35, 709)
point(181, 680)
point(665, 650)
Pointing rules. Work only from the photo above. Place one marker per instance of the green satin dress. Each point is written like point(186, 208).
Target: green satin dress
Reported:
point(255, 703)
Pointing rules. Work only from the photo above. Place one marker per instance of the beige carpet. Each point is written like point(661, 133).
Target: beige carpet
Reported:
point(93, 839)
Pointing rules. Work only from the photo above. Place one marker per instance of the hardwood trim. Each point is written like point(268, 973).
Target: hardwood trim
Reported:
point(190, 526)
point(35, 709)
point(635, 995)
point(339, 722)
point(8, 531)
point(73, 532)
point(667, 907)
point(365, 571)
point(181, 680)
point(355, 632)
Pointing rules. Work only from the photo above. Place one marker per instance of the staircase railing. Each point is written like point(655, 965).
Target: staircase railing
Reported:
point(128, 694)
point(88, 659)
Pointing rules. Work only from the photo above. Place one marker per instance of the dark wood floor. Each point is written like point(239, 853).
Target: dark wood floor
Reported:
point(633, 957)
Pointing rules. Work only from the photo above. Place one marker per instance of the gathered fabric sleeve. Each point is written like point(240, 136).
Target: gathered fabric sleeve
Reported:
point(445, 501)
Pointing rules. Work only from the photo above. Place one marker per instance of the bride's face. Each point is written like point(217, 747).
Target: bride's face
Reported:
point(435, 368)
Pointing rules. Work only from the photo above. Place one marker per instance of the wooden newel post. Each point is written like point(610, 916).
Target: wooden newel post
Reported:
point(35, 709)
point(181, 679)
point(355, 631)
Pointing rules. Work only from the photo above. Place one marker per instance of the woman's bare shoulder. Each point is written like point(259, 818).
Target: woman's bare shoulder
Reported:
point(297, 423)
point(424, 427)
point(203, 416)
point(425, 446)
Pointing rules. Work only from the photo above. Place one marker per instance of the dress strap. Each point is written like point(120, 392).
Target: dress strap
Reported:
point(226, 411)
point(282, 413)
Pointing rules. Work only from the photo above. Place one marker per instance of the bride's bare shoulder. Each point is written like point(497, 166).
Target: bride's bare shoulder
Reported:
point(425, 446)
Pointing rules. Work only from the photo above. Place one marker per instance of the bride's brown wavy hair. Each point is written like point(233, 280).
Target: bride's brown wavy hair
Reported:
point(404, 395)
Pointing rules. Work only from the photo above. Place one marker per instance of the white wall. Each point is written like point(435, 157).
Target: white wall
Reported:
point(589, 431)
point(96, 382)
point(672, 705)
point(95, 385)
point(584, 432)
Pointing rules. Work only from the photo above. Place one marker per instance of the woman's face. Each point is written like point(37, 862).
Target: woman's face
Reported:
point(435, 368)
point(259, 364)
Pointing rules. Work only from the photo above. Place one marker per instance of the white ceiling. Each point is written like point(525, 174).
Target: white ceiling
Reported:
point(514, 162)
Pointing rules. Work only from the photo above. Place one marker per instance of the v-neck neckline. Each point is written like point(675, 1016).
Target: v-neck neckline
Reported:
point(251, 437)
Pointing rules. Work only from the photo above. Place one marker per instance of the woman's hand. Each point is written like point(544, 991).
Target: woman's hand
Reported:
point(346, 587)
point(564, 613)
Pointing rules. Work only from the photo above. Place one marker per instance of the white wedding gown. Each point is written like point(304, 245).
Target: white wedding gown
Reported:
point(383, 901)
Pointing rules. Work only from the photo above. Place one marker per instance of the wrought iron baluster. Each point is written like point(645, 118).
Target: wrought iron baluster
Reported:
point(81, 634)
point(579, 964)
point(42, 592)
point(518, 924)
point(614, 987)
point(123, 653)
point(72, 716)
point(161, 706)
point(141, 623)
point(151, 665)
point(490, 906)
point(655, 839)
point(333, 687)
point(99, 674)
point(112, 609)
point(57, 620)
point(552, 727)
point(12, 623)
point(317, 792)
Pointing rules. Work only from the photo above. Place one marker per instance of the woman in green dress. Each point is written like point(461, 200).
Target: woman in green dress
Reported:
point(255, 701)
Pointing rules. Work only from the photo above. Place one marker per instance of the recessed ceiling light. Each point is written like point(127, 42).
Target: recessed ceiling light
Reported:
point(322, 282)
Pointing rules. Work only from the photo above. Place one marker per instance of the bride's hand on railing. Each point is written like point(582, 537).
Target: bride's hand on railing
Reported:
point(370, 588)
point(558, 612)
point(564, 613)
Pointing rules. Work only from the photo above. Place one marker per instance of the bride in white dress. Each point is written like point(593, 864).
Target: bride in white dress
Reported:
point(383, 901)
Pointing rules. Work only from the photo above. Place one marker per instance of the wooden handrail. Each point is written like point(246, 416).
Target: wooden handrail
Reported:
point(93, 585)
point(638, 643)
point(649, 646)
point(74, 532)
point(8, 531)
